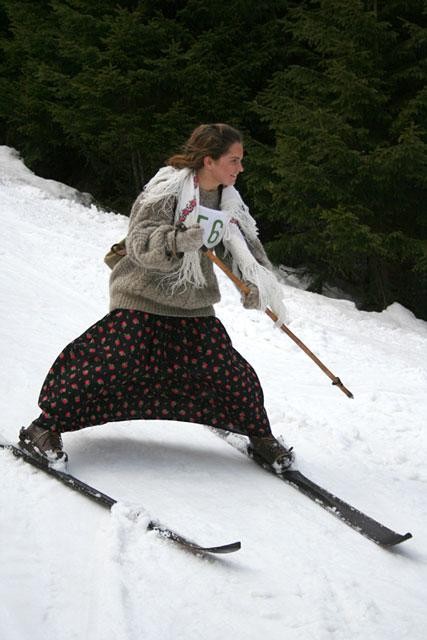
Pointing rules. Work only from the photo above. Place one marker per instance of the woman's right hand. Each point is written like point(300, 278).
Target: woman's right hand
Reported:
point(189, 239)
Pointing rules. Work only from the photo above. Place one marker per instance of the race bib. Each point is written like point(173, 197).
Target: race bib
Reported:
point(213, 223)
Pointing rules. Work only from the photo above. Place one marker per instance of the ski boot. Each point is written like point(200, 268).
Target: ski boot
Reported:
point(268, 450)
point(45, 444)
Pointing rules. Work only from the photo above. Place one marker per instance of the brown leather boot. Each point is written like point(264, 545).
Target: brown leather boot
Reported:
point(42, 443)
point(272, 452)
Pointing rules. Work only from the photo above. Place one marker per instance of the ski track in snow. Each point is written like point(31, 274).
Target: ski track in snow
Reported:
point(71, 570)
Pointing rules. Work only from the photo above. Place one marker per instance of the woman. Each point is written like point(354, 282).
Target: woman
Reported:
point(161, 353)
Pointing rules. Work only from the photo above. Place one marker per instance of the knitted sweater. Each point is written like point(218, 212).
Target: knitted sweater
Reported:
point(136, 281)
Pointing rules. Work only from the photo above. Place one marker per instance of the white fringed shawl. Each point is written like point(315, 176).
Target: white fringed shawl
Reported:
point(182, 184)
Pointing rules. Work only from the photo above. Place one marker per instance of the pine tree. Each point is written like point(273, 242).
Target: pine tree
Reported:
point(102, 92)
point(345, 173)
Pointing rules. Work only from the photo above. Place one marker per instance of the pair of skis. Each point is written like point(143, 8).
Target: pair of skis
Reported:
point(356, 519)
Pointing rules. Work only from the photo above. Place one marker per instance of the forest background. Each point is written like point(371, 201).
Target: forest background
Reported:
point(331, 97)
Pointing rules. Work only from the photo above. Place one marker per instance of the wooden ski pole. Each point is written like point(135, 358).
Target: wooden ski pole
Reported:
point(244, 289)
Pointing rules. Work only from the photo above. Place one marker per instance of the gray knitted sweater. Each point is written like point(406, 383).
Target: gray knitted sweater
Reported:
point(137, 281)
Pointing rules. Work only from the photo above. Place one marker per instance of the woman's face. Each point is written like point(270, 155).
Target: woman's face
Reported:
point(224, 170)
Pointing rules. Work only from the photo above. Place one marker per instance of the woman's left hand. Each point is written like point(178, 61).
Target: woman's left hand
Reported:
point(251, 300)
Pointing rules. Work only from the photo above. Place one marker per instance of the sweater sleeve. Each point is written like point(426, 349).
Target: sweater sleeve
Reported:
point(150, 231)
point(259, 253)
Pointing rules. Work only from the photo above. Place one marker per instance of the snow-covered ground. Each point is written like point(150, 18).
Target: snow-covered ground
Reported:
point(69, 570)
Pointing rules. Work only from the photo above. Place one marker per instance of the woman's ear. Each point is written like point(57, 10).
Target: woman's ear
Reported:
point(207, 162)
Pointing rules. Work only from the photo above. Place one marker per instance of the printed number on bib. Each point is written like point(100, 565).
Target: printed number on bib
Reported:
point(213, 223)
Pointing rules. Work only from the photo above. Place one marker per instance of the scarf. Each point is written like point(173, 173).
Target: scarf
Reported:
point(182, 184)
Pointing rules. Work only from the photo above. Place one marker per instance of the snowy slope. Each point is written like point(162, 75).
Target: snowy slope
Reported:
point(71, 571)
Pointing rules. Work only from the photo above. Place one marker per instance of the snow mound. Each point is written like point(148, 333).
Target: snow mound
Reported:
point(14, 171)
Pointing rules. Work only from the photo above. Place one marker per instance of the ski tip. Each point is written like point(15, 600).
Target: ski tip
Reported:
point(221, 549)
point(406, 536)
point(396, 539)
point(225, 548)
point(185, 543)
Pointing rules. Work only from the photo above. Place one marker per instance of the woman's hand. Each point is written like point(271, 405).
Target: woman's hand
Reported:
point(251, 299)
point(190, 239)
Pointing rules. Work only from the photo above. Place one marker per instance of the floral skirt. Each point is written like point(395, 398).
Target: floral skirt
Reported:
point(132, 365)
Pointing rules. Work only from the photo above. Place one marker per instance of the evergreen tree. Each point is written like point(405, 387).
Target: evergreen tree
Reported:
point(114, 87)
point(345, 173)
point(24, 47)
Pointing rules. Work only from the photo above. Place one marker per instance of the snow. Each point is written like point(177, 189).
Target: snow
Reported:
point(72, 570)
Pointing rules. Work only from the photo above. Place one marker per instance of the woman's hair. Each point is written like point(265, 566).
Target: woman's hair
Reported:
point(206, 140)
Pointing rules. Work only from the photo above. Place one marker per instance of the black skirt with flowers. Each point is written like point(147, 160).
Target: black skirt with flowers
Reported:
point(132, 365)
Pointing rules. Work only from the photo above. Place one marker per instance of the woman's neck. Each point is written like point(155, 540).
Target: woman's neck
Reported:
point(206, 182)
